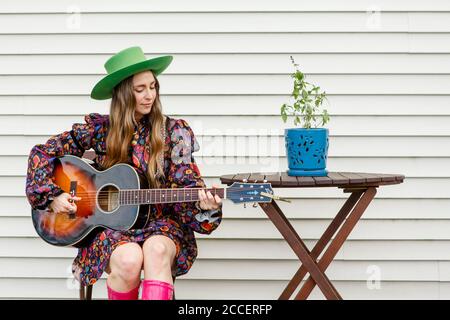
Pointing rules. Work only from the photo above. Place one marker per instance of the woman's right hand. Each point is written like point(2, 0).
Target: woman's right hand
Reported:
point(64, 203)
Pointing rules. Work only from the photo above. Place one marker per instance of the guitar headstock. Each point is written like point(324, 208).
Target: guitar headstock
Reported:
point(242, 192)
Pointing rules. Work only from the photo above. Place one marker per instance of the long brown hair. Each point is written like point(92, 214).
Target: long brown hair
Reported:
point(122, 128)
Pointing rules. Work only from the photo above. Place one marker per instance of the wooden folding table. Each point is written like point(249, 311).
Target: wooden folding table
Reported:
point(362, 188)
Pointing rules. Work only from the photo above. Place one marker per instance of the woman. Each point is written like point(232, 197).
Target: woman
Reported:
point(135, 132)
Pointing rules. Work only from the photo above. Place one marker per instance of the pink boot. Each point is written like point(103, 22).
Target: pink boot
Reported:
point(130, 295)
point(156, 290)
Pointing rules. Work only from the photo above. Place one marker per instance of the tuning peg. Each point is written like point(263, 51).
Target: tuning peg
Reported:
point(255, 205)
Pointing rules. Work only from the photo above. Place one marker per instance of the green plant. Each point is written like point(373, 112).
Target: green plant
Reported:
point(307, 102)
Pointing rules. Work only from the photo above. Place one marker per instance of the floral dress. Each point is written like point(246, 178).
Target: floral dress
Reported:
point(175, 220)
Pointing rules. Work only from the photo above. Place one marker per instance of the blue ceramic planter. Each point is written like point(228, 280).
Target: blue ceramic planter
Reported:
point(307, 151)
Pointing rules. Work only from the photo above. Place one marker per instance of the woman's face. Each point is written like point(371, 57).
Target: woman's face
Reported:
point(144, 89)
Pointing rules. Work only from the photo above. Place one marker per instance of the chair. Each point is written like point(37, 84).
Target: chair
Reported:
point(85, 292)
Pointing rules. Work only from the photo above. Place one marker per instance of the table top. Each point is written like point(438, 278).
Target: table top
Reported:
point(333, 179)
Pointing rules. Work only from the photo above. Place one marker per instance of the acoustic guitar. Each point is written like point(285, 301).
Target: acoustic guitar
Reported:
point(118, 198)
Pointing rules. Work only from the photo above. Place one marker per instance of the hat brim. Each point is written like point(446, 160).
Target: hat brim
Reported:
point(103, 89)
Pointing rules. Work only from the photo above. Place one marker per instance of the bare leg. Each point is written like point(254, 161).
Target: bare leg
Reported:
point(159, 254)
point(125, 267)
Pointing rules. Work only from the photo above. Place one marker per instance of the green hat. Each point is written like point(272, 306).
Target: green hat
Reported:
point(124, 64)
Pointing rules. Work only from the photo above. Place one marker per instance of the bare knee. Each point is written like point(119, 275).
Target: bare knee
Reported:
point(126, 262)
point(159, 250)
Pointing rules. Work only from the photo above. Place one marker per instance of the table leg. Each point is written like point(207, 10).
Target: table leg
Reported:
point(292, 238)
point(321, 244)
point(339, 240)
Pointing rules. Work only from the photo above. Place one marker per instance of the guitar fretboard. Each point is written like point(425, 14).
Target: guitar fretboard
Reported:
point(152, 196)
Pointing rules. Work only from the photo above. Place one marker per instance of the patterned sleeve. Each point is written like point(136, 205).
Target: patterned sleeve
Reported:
point(184, 173)
point(40, 188)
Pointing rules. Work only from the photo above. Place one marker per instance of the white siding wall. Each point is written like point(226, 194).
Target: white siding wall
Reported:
point(387, 75)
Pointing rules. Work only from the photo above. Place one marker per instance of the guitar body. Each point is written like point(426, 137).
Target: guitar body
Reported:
point(99, 207)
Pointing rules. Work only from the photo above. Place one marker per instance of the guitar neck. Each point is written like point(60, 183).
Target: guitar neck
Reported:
point(153, 196)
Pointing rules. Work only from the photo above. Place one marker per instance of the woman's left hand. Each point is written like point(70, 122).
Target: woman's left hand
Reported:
point(208, 201)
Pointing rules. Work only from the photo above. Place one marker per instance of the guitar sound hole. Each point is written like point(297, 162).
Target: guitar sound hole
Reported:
point(108, 198)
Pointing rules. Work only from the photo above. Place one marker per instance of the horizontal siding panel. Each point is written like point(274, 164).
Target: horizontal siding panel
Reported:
point(238, 64)
point(204, 269)
point(185, 105)
point(237, 84)
point(325, 208)
point(218, 22)
point(308, 229)
point(428, 22)
point(64, 6)
point(261, 249)
point(230, 289)
point(228, 43)
point(230, 126)
point(428, 43)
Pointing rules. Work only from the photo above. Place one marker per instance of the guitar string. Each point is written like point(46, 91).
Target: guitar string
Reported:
point(140, 193)
point(175, 189)
point(170, 189)
point(103, 196)
point(133, 193)
point(146, 192)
